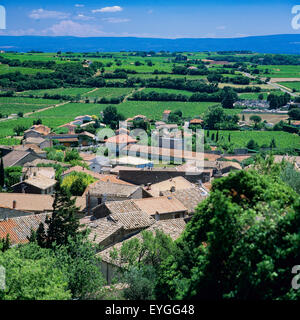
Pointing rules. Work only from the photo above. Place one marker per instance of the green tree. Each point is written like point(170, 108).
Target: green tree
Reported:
point(32, 274)
point(214, 117)
point(79, 261)
point(241, 243)
point(229, 99)
point(64, 221)
point(5, 243)
point(252, 145)
point(256, 119)
point(273, 143)
point(19, 130)
point(294, 114)
point(2, 174)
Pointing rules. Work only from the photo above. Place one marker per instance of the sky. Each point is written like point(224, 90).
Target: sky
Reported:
point(150, 18)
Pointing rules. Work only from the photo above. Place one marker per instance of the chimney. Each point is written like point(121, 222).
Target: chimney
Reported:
point(14, 204)
point(157, 216)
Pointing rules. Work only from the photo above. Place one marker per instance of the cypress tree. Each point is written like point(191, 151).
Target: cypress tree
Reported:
point(63, 223)
point(229, 138)
point(217, 136)
point(2, 174)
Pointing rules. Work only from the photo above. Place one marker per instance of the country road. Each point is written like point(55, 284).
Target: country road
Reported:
point(273, 84)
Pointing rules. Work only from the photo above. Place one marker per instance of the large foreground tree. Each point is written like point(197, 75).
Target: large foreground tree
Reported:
point(242, 243)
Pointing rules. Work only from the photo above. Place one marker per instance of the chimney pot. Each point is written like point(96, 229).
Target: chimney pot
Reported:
point(14, 204)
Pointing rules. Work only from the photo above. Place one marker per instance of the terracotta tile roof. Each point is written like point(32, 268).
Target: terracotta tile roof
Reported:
point(40, 182)
point(167, 111)
point(196, 121)
point(178, 183)
point(14, 157)
point(190, 198)
point(19, 228)
point(37, 141)
point(29, 147)
point(122, 206)
point(112, 189)
point(27, 202)
point(47, 172)
point(87, 156)
point(43, 130)
point(121, 139)
point(160, 205)
point(133, 220)
point(101, 229)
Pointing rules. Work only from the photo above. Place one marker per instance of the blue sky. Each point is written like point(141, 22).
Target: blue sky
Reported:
point(145, 18)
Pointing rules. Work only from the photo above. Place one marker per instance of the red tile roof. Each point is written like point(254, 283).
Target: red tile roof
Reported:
point(121, 139)
point(19, 228)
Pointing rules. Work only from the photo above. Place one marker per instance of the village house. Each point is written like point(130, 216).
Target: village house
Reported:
point(115, 227)
point(83, 119)
point(70, 127)
point(176, 183)
point(144, 176)
point(109, 265)
point(29, 172)
point(40, 142)
point(34, 203)
point(116, 143)
point(166, 114)
point(196, 122)
point(189, 197)
point(73, 140)
point(32, 148)
point(19, 158)
point(159, 208)
point(38, 184)
point(103, 192)
point(37, 131)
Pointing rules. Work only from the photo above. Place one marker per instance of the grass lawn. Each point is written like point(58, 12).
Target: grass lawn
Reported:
point(241, 138)
point(62, 91)
point(109, 93)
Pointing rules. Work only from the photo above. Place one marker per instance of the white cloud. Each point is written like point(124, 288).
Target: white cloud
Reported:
point(71, 28)
point(115, 20)
point(108, 9)
point(46, 14)
point(221, 28)
point(150, 11)
point(79, 5)
point(82, 17)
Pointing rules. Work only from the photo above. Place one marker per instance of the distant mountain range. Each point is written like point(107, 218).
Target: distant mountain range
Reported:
point(285, 44)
